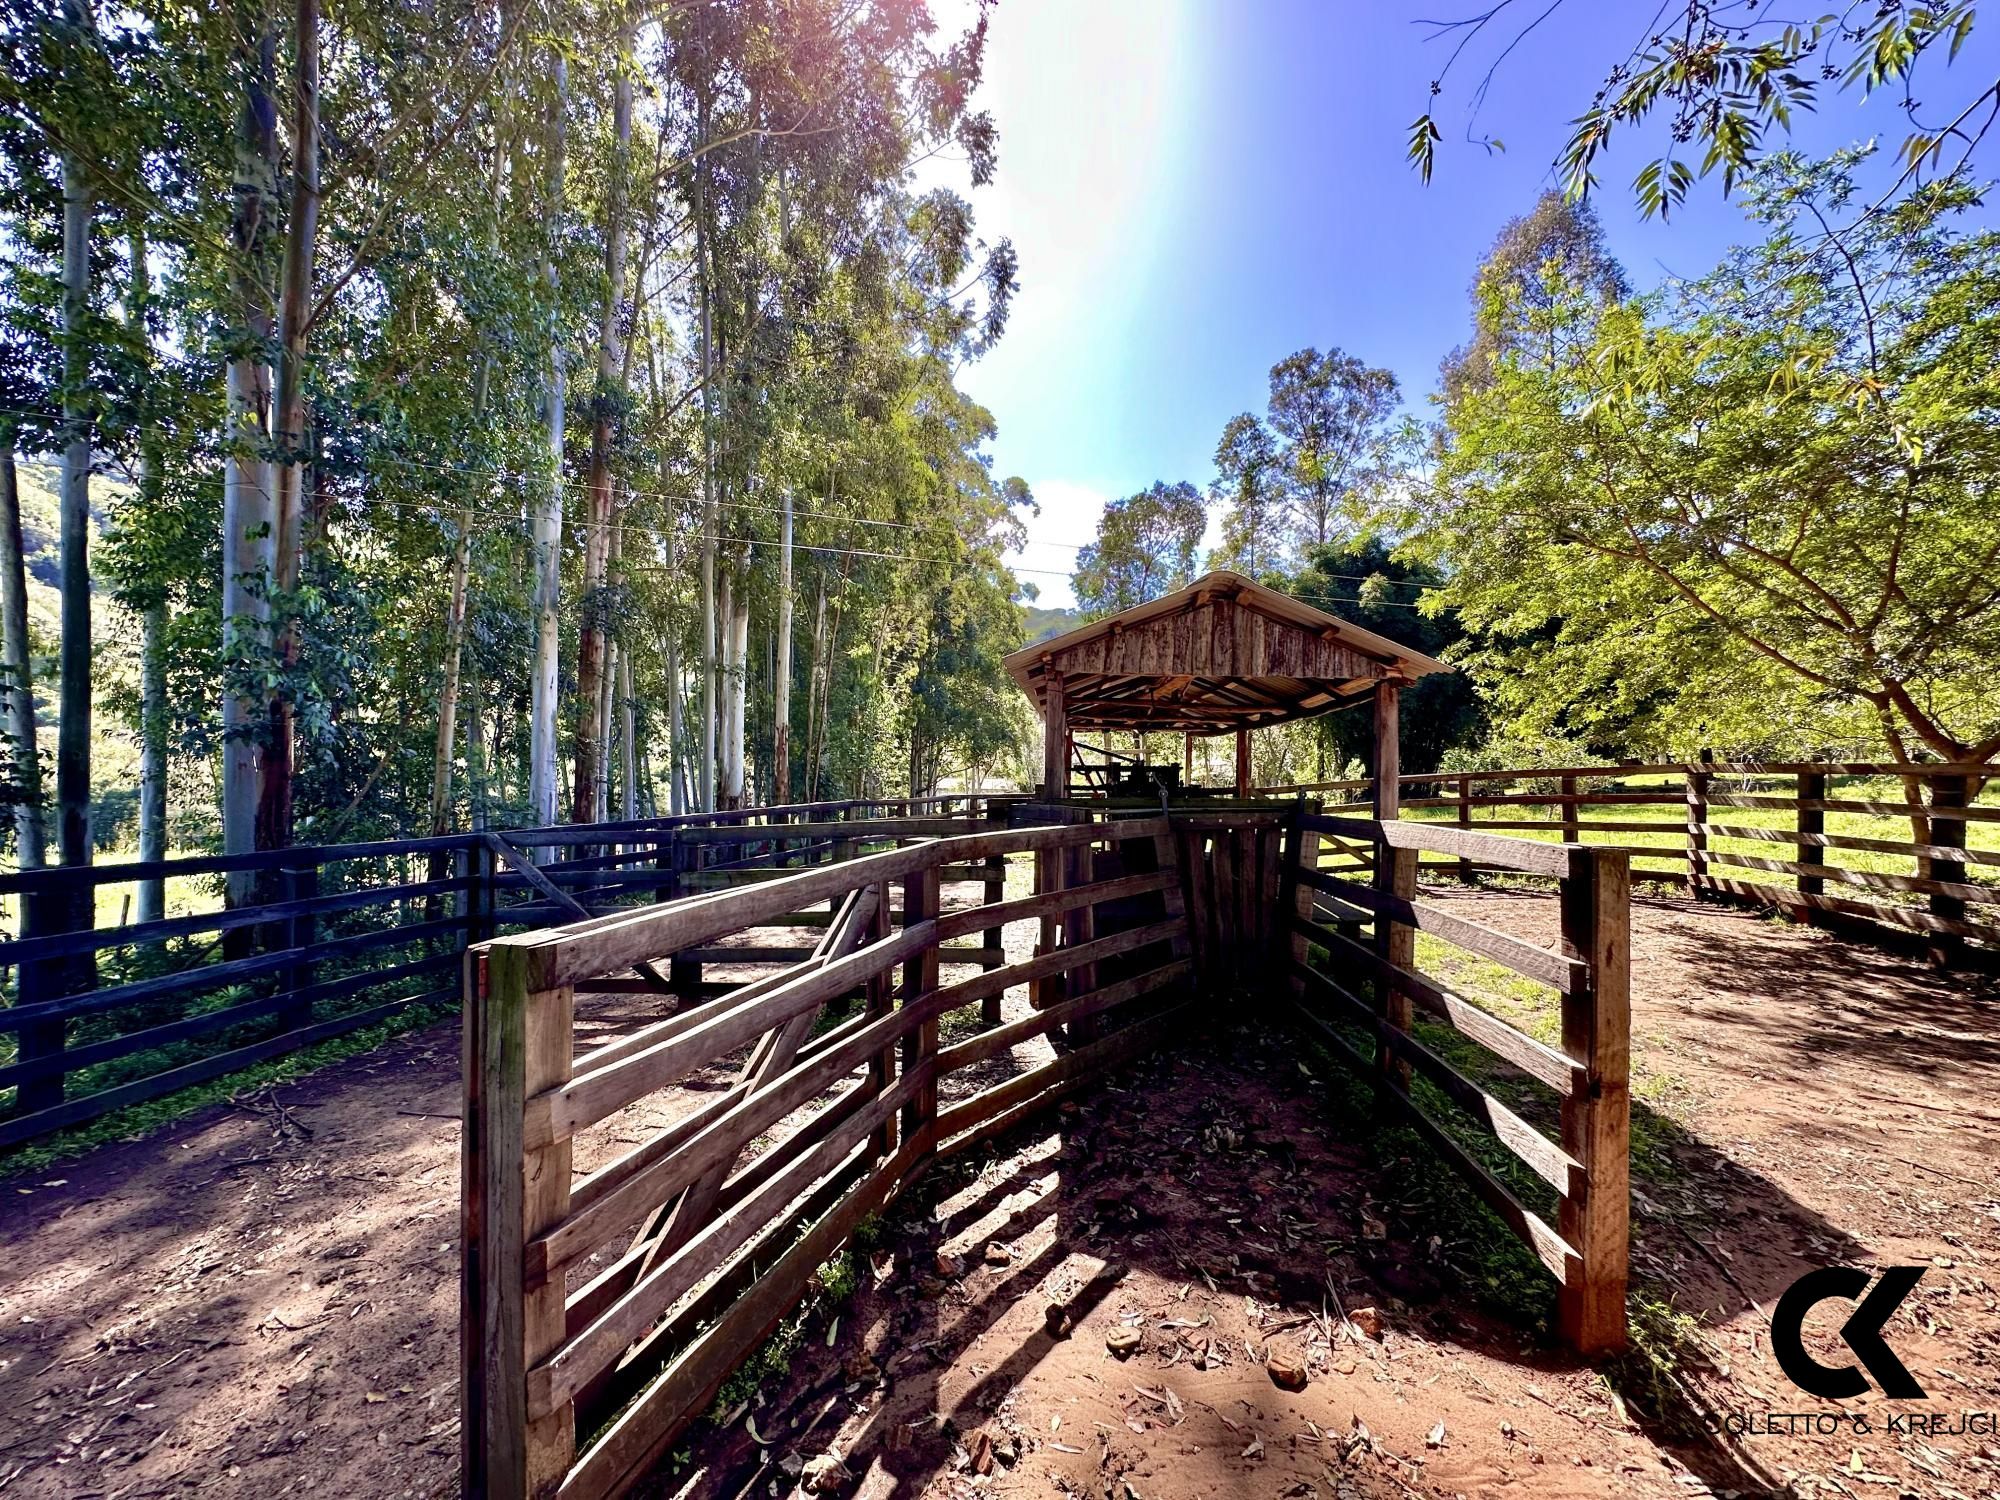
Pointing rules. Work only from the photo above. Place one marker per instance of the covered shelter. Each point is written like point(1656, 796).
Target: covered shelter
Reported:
point(1224, 655)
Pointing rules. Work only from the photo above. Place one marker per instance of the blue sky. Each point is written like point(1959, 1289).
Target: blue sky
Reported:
point(1197, 188)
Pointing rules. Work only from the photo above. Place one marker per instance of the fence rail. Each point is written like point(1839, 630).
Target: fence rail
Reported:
point(1716, 820)
point(112, 1016)
point(1344, 984)
point(576, 1384)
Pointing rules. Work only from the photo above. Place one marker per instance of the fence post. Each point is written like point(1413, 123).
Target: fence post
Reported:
point(41, 980)
point(1697, 823)
point(1948, 794)
point(1811, 821)
point(684, 974)
point(1595, 1214)
point(1295, 897)
point(517, 1042)
point(300, 882)
point(1396, 942)
point(1465, 821)
point(1567, 788)
point(1080, 927)
point(993, 941)
point(920, 978)
point(481, 900)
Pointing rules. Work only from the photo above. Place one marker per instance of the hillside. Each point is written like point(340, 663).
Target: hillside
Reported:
point(1045, 623)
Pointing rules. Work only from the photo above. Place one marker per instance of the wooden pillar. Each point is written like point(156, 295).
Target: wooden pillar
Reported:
point(1595, 1214)
point(1187, 759)
point(1243, 763)
point(1388, 750)
point(1811, 824)
point(1055, 738)
point(1697, 824)
point(1949, 794)
point(1395, 872)
point(518, 1043)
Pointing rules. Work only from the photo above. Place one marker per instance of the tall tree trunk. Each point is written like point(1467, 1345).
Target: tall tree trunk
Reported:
point(454, 658)
point(542, 789)
point(591, 653)
point(814, 730)
point(475, 746)
point(247, 507)
point(628, 738)
point(73, 728)
point(274, 791)
point(781, 675)
point(151, 902)
point(17, 662)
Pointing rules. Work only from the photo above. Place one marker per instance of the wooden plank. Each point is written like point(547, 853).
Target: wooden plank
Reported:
point(1553, 969)
point(953, 924)
point(611, 943)
point(1804, 869)
point(1595, 1214)
point(1535, 1150)
point(1107, 1052)
point(701, 1035)
point(601, 1212)
point(874, 829)
point(1852, 841)
point(558, 1378)
point(1479, 1025)
point(200, 1024)
point(650, 1426)
point(1914, 918)
point(1001, 1039)
point(920, 982)
point(526, 868)
point(1524, 855)
point(1850, 805)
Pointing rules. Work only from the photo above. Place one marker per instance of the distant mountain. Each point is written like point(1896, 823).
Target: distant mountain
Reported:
point(1045, 623)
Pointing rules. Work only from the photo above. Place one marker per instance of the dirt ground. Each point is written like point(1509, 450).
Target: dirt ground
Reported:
point(263, 1300)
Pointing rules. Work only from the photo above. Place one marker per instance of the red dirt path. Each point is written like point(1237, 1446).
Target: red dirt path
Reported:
point(263, 1300)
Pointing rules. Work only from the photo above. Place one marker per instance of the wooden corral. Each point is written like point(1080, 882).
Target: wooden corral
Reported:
point(575, 1385)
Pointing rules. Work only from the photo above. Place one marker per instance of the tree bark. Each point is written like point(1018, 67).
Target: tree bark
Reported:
point(542, 789)
point(454, 659)
point(591, 654)
point(150, 904)
point(73, 727)
point(628, 737)
point(247, 507)
point(274, 780)
point(781, 676)
point(17, 662)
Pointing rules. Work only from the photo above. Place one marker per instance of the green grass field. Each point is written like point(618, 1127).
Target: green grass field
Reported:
point(1671, 835)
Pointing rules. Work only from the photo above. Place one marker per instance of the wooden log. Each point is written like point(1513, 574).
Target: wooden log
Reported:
point(1521, 855)
point(1557, 970)
point(1595, 1213)
point(1466, 1017)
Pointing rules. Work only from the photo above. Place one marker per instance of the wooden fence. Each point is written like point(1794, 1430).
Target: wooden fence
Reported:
point(1717, 823)
point(353, 936)
point(602, 1313)
point(1347, 985)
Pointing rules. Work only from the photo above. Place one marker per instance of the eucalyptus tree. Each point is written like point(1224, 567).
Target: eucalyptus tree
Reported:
point(1147, 545)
